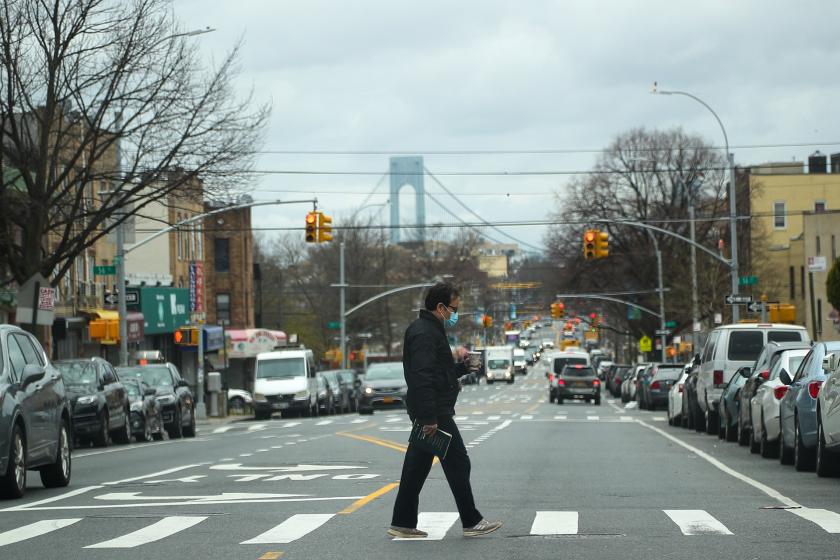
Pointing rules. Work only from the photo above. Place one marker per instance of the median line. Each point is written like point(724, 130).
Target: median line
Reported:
point(358, 504)
point(383, 442)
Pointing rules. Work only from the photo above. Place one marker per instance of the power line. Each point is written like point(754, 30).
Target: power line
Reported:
point(448, 211)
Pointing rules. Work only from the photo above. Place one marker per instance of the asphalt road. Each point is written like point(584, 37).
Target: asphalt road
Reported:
point(569, 481)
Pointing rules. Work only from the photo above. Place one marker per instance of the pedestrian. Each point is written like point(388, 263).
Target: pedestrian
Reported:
point(432, 376)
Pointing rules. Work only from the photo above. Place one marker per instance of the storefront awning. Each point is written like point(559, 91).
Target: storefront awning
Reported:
point(104, 325)
point(247, 343)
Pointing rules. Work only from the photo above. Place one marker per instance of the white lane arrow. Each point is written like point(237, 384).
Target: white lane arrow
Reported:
point(298, 468)
point(225, 496)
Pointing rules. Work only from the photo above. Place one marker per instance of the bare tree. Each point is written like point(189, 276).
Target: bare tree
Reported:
point(105, 107)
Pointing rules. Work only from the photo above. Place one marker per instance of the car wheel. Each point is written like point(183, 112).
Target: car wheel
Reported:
point(785, 452)
point(743, 435)
point(123, 435)
point(262, 415)
point(103, 438)
point(721, 429)
point(767, 449)
point(189, 431)
point(236, 404)
point(755, 446)
point(177, 429)
point(57, 475)
point(803, 459)
point(826, 462)
point(13, 483)
point(711, 420)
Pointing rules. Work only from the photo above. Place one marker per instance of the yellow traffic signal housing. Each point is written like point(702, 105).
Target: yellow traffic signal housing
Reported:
point(487, 321)
point(324, 228)
point(186, 336)
point(602, 245)
point(589, 244)
point(312, 227)
point(561, 310)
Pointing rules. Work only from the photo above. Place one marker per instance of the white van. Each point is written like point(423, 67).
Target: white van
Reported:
point(519, 365)
point(498, 364)
point(284, 381)
point(729, 348)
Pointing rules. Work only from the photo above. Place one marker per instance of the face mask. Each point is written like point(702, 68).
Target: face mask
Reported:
point(453, 318)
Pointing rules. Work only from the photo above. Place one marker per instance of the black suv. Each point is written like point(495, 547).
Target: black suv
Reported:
point(98, 400)
point(173, 395)
point(35, 417)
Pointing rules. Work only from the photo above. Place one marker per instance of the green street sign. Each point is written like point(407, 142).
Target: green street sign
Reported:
point(334, 325)
point(748, 280)
point(670, 324)
point(105, 270)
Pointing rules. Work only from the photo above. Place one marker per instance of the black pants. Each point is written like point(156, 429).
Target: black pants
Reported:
point(456, 467)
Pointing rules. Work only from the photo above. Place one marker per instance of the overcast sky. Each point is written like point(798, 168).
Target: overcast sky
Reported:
point(394, 75)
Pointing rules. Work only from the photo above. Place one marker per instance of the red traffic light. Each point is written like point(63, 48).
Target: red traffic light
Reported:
point(593, 315)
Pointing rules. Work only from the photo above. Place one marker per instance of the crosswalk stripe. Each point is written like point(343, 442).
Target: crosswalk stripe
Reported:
point(222, 430)
point(625, 418)
point(35, 530)
point(291, 424)
point(560, 417)
point(593, 417)
point(436, 523)
point(827, 520)
point(256, 427)
point(494, 417)
point(166, 527)
point(292, 529)
point(324, 423)
point(358, 421)
point(696, 522)
point(526, 417)
point(555, 523)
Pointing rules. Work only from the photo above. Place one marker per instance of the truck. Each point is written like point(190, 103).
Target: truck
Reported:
point(498, 364)
point(512, 338)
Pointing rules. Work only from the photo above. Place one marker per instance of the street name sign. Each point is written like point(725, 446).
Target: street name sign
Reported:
point(662, 332)
point(748, 280)
point(105, 270)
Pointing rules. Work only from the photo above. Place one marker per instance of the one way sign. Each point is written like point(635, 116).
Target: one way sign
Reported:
point(732, 299)
point(755, 307)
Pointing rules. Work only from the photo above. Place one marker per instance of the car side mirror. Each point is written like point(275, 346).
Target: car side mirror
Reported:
point(32, 373)
point(745, 372)
point(696, 360)
point(784, 377)
point(149, 392)
point(829, 363)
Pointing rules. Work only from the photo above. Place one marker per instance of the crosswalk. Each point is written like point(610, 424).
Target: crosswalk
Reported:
point(439, 525)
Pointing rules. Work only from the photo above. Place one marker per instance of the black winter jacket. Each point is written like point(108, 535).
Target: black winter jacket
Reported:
point(430, 371)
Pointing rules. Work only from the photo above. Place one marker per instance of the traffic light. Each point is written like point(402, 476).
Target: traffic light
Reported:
point(324, 228)
point(602, 245)
point(589, 244)
point(487, 321)
point(561, 309)
point(186, 336)
point(312, 227)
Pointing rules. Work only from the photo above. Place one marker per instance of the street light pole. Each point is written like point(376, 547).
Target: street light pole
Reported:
point(733, 222)
point(695, 306)
point(342, 302)
point(662, 335)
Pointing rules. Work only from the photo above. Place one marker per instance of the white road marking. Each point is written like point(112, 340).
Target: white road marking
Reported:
point(222, 430)
point(35, 530)
point(555, 523)
point(658, 418)
point(246, 454)
point(256, 427)
point(69, 494)
point(292, 529)
point(477, 412)
point(593, 417)
point(696, 522)
point(394, 419)
point(526, 417)
point(625, 418)
point(155, 474)
point(435, 523)
point(359, 421)
point(560, 417)
point(166, 527)
point(290, 424)
point(827, 520)
point(775, 494)
point(461, 418)
point(491, 418)
point(324, 423)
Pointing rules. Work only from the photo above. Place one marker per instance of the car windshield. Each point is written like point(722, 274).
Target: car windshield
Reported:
point(385, 371)
point(281, 368)
point(346, 376)
point(153, 376)
point(745, 345)
point(498, 364)
point(77, 373)
point(560, 363)
point(578, 371)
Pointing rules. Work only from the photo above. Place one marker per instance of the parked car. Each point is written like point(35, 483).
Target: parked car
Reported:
point(765, 402)
point(615, 377)
point(691, 410)
point(351, 380)
point(730, 406)
point(578, 382)
point(728, 349)
point(173, 395)
point(341, 389)
point(662, 376)
point(643, 379)
point(675, 397)
point(324, 394)
point(603, 366)
point(798, 407)
point(35, 416)
point(384, 387)
point(239, 401)
point(146, 414)
point(628, 386)
point(828, 422)
point(98, 400)
point(758, 374)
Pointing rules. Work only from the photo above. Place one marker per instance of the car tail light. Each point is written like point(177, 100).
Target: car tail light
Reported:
point(561, 383)
point(779, 392)
point(550, 377)
point(814, 388)
point(655, 386)
point(682, 388)
point(718, 377)
point(596, 383)
point(764, 375)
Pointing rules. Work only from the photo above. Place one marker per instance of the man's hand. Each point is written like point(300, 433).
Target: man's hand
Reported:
point(461, 353)
point(429, 429)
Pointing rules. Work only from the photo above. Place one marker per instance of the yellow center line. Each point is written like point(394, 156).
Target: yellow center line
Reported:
point(369, 498)
point(383, 442)
point(533, 408)
point(270, 556)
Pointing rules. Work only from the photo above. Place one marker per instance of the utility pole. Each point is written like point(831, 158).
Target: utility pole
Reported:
point(121, 304)
point(733, 228)
point(695, 307)
point(343, 286)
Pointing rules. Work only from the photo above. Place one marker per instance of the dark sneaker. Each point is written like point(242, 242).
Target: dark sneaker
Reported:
point(406, 533)
point(483, 527)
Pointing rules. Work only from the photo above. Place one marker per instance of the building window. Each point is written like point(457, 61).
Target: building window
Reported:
point(178, 237)
point(223, 309)
point(221, 254)
point(200, 243)
point(792, 284)
point(833, 248)
point(779, 215)
point(819, 206)
point(819, 246)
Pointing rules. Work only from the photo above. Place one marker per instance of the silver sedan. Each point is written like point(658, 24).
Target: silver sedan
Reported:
point(765, 402)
